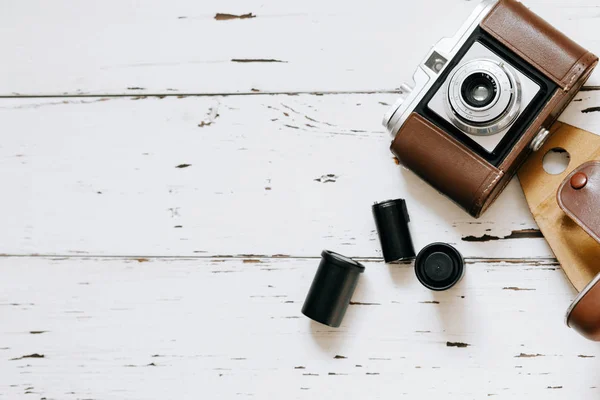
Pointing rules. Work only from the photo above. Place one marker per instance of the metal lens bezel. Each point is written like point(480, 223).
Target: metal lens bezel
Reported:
point(496, 116)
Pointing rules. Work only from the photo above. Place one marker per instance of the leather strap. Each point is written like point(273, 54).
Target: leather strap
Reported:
point(584, 313)
point(579, 197)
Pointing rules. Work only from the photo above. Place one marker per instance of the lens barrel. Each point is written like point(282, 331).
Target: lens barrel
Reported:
point(483, 97)
point(479, 90)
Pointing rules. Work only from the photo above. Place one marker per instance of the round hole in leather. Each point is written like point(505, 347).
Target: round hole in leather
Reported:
point(556, 161)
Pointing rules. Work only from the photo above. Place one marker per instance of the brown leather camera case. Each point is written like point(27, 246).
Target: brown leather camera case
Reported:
point(565, 207)
point(454, 169)
point(579, 198)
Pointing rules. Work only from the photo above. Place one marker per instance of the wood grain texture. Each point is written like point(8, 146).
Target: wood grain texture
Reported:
point(229, 175)
point(224, 176)
point(179, 46)
point(158, 247)
point(158, 329)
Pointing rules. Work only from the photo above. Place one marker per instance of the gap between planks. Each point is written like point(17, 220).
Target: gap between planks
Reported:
point(140, 93)
point(245, 257)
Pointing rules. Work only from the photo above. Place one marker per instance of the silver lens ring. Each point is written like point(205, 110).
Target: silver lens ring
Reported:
point(497, 114)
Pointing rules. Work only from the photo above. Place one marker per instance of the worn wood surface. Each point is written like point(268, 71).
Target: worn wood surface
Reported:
point(184, 46)
point(232, 327)
point(223, 176)
point(161, 224)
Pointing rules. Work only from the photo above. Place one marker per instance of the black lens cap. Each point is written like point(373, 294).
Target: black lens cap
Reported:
point(332, 288)
point(439, 266)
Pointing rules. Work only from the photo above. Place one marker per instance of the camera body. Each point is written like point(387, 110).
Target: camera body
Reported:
point(482, 100)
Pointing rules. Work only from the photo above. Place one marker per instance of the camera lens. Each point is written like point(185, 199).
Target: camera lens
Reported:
point(479, 90)
point(484, 97)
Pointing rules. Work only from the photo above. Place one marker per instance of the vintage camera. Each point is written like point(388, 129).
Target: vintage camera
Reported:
point(482, 100)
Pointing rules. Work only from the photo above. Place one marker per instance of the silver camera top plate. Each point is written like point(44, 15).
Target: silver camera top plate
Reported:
point(427, 73)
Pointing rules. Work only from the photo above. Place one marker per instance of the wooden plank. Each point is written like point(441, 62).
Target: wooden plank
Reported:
point(224, 176)
point(99, 176)
point(226, 328)
point(169, 47)
point(584, 111)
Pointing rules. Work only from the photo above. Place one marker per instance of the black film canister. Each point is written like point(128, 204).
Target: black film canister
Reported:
point(332, 288)
point(439, 266)
point(391, 219)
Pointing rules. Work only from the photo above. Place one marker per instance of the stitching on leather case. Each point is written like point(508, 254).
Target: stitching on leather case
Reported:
point(581, 65)
point(577, 71)
point(499, 174)
point(474, 205)
point(445, 136)
point(478, 202)
point(485, 204)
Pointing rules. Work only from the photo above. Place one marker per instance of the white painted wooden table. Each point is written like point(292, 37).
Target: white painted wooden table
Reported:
point(169, 179)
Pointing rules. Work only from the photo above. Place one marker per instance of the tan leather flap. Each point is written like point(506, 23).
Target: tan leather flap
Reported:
point(577, 251)
point(579, 197)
